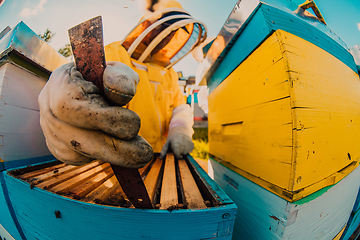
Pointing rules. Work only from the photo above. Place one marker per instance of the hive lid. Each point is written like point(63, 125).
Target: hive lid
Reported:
point(25, 43)
point(251, 22)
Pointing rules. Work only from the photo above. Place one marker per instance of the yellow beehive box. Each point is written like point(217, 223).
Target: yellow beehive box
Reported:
point(287, 118)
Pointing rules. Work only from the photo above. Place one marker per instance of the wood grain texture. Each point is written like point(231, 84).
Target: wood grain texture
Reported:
point(257, 135)
point(322, 214)
point(79, 179)
point(103, 192)
point(169, 196)
point(97, 184)
point(19, 90)
point(264, 22)
point(325, 102)
point(294, 117)
point(152, 178)
point(42, 171)
point(57, 172)
point(81, 220)
point(57, 179)
point(193, 197)
point(81, 190)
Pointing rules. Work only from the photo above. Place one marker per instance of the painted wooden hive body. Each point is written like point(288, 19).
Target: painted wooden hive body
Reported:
point(283, 122)
point(86, 202)
point(296, 108)
point(41, 198)
point(24, 69)
point(264, 215)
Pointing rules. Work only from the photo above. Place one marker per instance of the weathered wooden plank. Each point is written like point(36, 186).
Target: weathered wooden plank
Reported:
point(131, 182)
point(169, 196)
point(192, 193)
point(57, 172)
point(145, 170)
point(252, 124)
point(78, 179)
point(152, 178)
point(86, 187)
point(81, 220)
point(41, 171)
point(103, 192)
point(59, 179)
point(117, 198)
point(21, 109)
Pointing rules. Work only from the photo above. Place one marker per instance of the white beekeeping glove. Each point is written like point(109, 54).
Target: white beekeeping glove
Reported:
point(180, 132)
point(80, 126)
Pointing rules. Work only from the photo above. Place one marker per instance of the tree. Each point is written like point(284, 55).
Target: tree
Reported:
point(47, 35)
point(66, 50)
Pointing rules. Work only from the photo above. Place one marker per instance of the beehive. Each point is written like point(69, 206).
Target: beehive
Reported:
point(283, 122)
point(352, 230)
point(188, 204)
point(263, 215)
point(171, 184)
point(287, 117)
point(41, 198)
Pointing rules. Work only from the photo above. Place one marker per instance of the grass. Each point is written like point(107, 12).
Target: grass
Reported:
point(201, 143)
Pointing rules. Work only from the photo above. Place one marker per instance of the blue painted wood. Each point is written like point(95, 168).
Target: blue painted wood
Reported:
point(357, 202)
point(352, 225)
point(214, 188)
point(254, 33)
point(35, 210)
point(4, 234)
point(263, 215)
point(6, 212)
point(25, 162)
point(354, 220)
point(266, 20)
point(26, 42)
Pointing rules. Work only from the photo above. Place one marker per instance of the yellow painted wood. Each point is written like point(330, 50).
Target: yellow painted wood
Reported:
point(325, 96)
point(287, 118)
point(243, 127)
point(340, 234)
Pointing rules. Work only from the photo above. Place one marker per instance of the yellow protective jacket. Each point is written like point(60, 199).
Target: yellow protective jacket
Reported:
point(157, 94)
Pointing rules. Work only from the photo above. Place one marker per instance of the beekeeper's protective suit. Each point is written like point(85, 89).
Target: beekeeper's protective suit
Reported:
point(159, 40)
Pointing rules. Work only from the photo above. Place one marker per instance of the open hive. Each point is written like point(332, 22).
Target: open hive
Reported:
point(57, 201)
point(170, 184)
point(41, 198)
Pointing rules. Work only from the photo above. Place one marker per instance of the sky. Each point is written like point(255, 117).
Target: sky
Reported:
point(120, 16)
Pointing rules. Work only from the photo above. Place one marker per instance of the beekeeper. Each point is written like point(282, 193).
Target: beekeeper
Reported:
point(79, 124)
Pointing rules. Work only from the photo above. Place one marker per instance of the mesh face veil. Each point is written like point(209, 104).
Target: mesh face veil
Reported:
point(164, 37)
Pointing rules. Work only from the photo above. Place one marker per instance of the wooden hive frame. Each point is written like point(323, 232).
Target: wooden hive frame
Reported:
point(171, 184)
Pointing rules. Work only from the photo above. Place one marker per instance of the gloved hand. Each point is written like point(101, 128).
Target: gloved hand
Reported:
point(80, 126)
point(178, 141)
